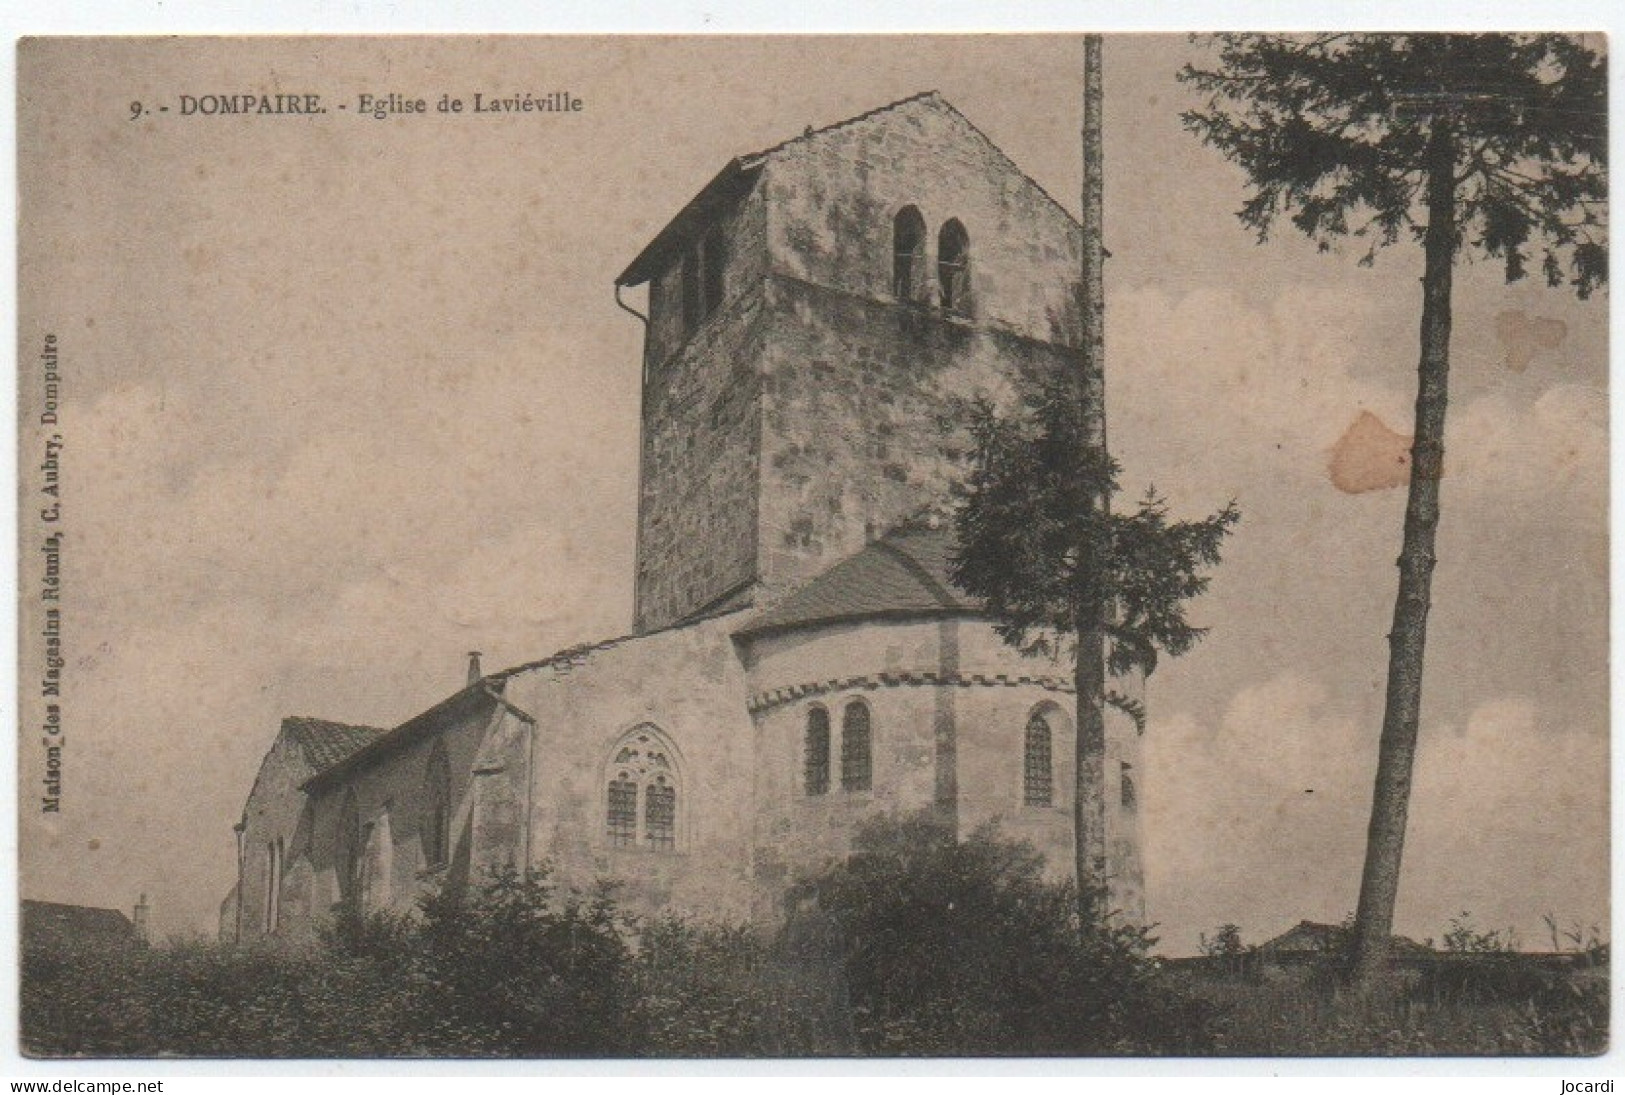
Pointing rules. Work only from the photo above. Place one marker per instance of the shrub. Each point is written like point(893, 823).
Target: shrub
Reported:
point(963, 948)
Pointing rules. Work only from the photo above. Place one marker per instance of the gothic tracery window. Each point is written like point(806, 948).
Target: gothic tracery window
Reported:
point(1037, 769)
point(642, 793)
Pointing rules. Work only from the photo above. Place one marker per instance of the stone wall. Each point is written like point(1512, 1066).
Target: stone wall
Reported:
point(861, 389)
point(950, 704)
point(831, 199)
point(392, 801)
point(272, 813)
point(859, 431)
point(700, 443)
point(687, 683)
point(807, 416)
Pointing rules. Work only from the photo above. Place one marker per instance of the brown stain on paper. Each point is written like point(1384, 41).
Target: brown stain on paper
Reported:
point(1370, 456)
point(1523, 336)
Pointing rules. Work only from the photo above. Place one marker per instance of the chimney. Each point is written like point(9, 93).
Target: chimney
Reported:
point(474, 673)
point(140, 918)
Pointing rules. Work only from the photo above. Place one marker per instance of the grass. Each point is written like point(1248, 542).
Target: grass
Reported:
point(1478, 1005)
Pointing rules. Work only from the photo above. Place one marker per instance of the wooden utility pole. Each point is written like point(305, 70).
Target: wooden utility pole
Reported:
point(1089, 616)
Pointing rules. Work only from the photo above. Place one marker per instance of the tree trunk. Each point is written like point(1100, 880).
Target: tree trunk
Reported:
point(1089, 616)
point(1385, 841)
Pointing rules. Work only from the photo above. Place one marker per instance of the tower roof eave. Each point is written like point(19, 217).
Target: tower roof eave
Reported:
point(732, 182)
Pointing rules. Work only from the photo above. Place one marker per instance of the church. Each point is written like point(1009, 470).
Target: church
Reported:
point(799, 658)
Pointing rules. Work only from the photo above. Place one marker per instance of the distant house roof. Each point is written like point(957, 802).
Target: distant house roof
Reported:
point(739, 175)
point(1307, 936)
point(904, 574)
point(44, 919)
point(324, 742)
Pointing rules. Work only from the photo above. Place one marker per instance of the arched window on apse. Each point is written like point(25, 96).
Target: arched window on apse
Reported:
point(816, 750)
point(1038, 762)
point(857, 748)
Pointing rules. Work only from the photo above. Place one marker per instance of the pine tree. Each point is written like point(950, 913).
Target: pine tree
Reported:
point(1039, 544)
point(1488, 143)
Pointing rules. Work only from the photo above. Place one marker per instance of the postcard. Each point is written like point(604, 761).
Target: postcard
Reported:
point(783, 547)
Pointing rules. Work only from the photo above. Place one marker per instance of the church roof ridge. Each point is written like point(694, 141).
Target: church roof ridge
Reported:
point(739, 173)
point(488, 689)
point(751, 159)
point(936, 98)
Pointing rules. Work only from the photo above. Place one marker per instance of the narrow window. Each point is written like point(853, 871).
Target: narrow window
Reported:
point(953, 267)
point(1130, 802)
point(908, 253)
point(1038, 773)
point(817, 770)
point(623, 813)
point(273, 884)
point(437, 808)
point(367, 866)
point(660, 813)
point(713, 261)
point(693, 299)
point(856, 763)
point(349, 849)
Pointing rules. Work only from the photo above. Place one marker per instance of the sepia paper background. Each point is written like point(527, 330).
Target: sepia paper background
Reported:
point(346, 398)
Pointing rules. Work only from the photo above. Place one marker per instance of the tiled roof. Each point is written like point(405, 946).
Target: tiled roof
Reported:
point(326, 743)
point(902, 574)
point(370, 743)
point(79, 921)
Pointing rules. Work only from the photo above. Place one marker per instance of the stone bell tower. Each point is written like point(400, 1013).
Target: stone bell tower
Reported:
point(816, 313)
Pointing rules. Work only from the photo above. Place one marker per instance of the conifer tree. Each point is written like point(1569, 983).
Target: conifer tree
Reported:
point(1488, 143)
point(1039, 544)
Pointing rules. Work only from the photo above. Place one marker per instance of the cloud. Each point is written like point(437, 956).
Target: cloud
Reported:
point(1554, 448)
point(1221, 395)
point(1259, 810)
point(1505, 821)
point(1258, 816)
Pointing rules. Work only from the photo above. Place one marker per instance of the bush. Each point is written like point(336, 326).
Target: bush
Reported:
point(957, 948)
point(515, 969)
point(917, 944)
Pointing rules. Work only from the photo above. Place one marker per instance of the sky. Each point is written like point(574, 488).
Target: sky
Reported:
point(344, 399)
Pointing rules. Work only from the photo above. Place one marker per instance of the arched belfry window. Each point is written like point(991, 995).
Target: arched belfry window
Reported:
point(349, 851)
point(1038, 763)
point(857, 748)
point(436, 829)
point(953, 266)
point(816, 772)
point(1131, 800)
point(908, 253)
point(642, 792)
